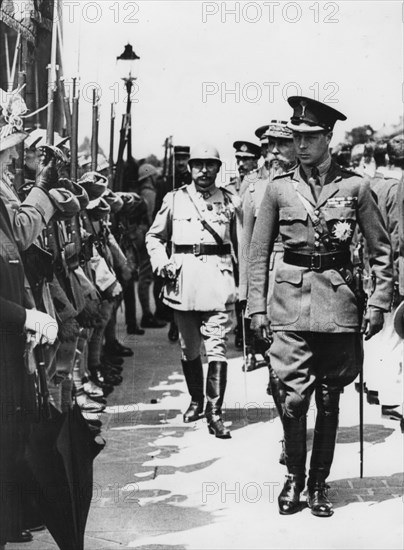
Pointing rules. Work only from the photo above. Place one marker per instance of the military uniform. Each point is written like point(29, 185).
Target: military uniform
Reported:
point(383, 354)
point(28, 218)
point(191, 237)
point(313, 309)
point(205, 282)
point(245, 151)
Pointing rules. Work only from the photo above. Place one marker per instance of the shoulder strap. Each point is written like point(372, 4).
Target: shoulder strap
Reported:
point(205, 224)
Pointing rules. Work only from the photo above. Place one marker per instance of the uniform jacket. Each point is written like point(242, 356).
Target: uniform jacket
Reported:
point(386, 190)
point(204, 283)
point(305, 300)
point(251, 204)
point(400, 205)
point(27, 218)
point(17, 393)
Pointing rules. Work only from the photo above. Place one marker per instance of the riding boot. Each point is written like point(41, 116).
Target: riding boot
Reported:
point(193, 373)
point(325, 434)
point(215, 388)
point(295, 458)
point(278, 393)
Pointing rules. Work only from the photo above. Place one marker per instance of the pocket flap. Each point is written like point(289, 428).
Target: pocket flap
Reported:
point(292, 276)
point(336, 278)
point(292, 213)
point(339, 213)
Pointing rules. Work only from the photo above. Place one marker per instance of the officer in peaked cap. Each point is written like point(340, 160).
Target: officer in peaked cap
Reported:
point(314, 312)
point(247, 155)
point(181, 157)
point(279, 157)
point(261, 133)
point(197, 220)
point(280, 150)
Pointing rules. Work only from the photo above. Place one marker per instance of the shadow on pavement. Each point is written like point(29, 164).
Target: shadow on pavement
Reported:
point(368, 489)
point(372, 433)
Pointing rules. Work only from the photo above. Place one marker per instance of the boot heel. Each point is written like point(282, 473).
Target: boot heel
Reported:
point(218, 429)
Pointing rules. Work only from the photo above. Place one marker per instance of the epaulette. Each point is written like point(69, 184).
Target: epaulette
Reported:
point(232, 196)
point(350, 172)
point(180, 188)
point(228, 191)
point(285, 175)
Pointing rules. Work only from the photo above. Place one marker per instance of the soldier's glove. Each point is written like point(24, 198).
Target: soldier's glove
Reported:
point(43, 327)
point(260, 325)
point(169, 271)
point(46, 174)
point(66, 184)
point(374, 321)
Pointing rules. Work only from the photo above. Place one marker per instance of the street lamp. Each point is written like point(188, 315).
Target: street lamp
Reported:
point(128, 57)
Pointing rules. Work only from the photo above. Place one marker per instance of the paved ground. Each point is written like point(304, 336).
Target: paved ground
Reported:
point(163, 485)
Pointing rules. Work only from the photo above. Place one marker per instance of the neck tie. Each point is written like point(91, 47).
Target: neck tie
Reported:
point(314, 182)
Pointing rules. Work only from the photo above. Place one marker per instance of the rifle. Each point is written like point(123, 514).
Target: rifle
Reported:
point(94, 133)
point(168, 158)
point(361, 298)
point(52, 78)
point(111, 145)
point(22, 79)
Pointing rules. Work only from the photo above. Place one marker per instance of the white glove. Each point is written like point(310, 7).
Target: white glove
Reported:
point(117, 290)
point(43, 326)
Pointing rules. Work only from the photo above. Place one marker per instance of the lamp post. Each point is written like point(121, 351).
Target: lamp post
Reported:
point(128, 57)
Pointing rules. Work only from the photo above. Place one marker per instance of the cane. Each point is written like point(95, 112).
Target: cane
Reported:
point(244, 353)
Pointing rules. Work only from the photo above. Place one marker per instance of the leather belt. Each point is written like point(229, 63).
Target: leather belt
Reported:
point(201, 249)
point(317, 261)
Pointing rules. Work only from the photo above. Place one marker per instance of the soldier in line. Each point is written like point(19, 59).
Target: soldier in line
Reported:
point(190, 246)
point(314, 311)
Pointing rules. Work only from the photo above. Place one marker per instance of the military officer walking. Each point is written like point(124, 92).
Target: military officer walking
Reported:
point(280, 157)
point(313, 310)
point(195, 224)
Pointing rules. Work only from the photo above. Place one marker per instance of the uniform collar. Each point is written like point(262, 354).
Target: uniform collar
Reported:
point(203, 194)
point(322, 168)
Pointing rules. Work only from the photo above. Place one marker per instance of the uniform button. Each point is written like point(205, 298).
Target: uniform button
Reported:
point(317, 235)
point(316, 244)
point(317, 212)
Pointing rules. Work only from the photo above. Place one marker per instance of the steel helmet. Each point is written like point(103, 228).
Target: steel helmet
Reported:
point(65, 202)
point(204, 151)
point(146, 171)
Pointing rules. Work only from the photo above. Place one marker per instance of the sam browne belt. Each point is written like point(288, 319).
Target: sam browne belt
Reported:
point(203, 249)
point(317, 261)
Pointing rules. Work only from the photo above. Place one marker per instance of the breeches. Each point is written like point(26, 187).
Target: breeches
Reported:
point(210, 327)
point(304, 361)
